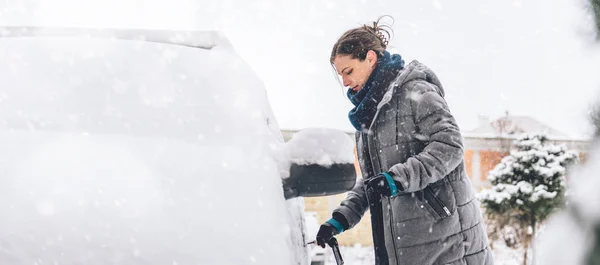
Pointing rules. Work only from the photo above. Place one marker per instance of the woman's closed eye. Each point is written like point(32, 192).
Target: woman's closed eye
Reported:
point(349, 72)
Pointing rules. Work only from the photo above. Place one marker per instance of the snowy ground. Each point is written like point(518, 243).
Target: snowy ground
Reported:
point(504, 255)
point(356, 255)
point(360, 255)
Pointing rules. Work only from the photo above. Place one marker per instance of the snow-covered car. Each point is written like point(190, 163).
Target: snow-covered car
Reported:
point(316, 253)
point(150, 147)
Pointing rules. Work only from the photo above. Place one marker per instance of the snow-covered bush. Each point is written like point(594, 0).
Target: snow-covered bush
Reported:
point(527, 186)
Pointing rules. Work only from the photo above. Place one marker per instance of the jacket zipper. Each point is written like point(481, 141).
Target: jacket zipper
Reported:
point(375, 168)
point(438, 205)
point(392, 230)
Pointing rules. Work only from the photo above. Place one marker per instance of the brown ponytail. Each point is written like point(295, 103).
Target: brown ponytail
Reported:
point(358, 41)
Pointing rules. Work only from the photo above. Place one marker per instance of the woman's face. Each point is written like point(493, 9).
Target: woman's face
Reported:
point(355, 72)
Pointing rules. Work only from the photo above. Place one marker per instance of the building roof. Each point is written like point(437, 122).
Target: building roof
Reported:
point(510, 126)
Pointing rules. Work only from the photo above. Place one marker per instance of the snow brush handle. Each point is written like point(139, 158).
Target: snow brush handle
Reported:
point(333, 243)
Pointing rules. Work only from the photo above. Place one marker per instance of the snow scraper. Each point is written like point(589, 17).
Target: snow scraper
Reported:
point(333, 243)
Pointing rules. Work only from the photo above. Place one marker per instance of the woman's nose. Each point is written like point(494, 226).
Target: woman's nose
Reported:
point(346, 82)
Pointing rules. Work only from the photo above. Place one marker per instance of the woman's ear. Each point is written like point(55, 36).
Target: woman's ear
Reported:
point(371, 58)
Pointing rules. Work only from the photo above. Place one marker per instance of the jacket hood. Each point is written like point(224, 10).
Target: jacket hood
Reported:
point(417, 71)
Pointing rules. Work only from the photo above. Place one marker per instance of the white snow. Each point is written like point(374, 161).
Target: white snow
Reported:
point(541, 192)
point(113, 154)
point(352, 255)
point(321, 146)
point(437, 4)
point(525, 187)
point(544, 161)
point(503, 191)
point(568, 235)
point(312, 227)
point(363, 255)
point(584, 187)
point(201, 39)
point(499, 193)
point(550, 169)
point(563, 241)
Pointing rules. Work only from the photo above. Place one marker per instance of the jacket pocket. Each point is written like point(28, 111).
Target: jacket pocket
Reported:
point(439, 199)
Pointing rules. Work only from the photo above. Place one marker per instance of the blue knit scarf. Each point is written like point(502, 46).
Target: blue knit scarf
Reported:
point(365, 101)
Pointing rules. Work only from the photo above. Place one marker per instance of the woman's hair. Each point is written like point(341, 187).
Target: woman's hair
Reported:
point(358, 41)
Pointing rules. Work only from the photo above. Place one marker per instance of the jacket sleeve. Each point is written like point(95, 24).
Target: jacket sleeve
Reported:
point(444, 149)
point(354, 206)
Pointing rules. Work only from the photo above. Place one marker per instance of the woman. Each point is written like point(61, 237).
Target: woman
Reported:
point(423, 209)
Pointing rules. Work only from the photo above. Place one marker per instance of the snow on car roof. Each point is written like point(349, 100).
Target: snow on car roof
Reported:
point(196, 39)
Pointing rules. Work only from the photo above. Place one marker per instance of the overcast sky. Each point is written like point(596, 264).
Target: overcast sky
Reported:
point(531, 58)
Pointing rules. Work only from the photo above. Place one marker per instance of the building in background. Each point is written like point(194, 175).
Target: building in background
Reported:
point(485, 146)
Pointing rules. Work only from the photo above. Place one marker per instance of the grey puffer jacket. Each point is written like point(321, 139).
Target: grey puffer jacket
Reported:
point(436, 218)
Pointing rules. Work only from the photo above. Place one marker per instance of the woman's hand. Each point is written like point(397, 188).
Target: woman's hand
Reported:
point(383, 184)
point(332, 227)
